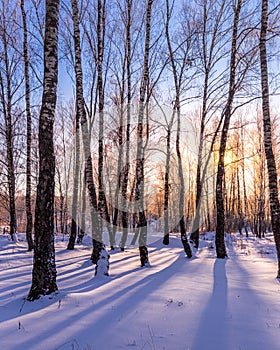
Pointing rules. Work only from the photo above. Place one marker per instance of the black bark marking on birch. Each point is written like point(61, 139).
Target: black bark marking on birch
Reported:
point(97, 242)
point(270, 159)
point(79, 110)
point(139, 171)
point(44, 267)
point(29, 219)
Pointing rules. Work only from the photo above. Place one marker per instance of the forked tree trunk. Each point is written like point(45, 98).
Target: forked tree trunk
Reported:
point(270, 159)
point(99, 255)
point(29, 221)
point(209, 57)
point(44, 268)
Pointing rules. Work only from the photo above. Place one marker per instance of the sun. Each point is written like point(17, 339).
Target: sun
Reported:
point(229, 157)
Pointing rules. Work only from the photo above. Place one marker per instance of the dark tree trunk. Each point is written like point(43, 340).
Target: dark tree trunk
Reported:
point(44, 268)
point(184, 237)
point(73, 231)
point(29, 220)
point(244, 185)
point(120, 161)
point(166, 183)
point(220, 228)
point(270, 159)
point(81, 233)
point(208, 58)
point(239, 209)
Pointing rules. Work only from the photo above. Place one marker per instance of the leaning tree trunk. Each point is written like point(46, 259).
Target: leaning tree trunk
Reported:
point(270, 159)
point(176, 110)
point(208, 55)
point(99, 255)
point(44, 268)
point(220, 228)
point(29, 221)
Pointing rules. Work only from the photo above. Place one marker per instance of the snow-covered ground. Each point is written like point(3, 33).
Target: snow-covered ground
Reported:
point(176, 304)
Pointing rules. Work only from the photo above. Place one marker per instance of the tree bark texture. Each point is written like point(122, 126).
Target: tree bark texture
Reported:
point(98, 252)
point(140, 158)
point(270, 159)
point(220, 228)
point(44, 268)
point(29, 219)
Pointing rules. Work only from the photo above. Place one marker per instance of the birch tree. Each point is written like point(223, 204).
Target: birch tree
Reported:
point(267, 131)
point(211, 43)
point(44, 267)
point(102, 202)
point(178, 71)
point(220, 244)
point(8, 87)
point(29, 219)
point(99, 255)
point(77, 150)
point(140, 157)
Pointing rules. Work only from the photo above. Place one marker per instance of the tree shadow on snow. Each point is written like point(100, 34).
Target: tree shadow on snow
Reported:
point(212, 331)
point(124, 298)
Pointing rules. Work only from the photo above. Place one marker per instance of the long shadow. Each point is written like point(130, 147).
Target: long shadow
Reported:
point(125, 298)
point(128, 294)
point(16, 304)
point(13, 254)
point(15, 267)
point(124, 258)
point(95, 283)
point(213, 331)
point(238, 321)
point(15, 286)
point(12, 277)
point(257, 334)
